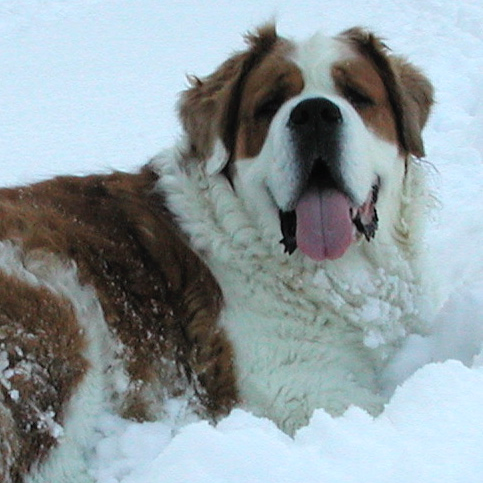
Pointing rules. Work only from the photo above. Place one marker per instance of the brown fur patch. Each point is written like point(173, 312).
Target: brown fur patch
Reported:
point(360, 75)
point(210, 108)
point(410, 93)
point(417, 91)
point(41, 346)
point(269, 84)
point(157, 296)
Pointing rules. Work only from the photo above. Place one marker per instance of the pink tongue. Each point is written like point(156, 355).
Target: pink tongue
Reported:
point(324, 225)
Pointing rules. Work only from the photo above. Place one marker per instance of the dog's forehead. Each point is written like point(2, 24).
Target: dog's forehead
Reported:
point(317, 56)
point(312, 61)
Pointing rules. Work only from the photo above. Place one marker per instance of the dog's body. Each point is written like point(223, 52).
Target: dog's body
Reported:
point(126, 290)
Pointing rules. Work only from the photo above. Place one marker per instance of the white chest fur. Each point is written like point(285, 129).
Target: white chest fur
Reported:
point(307, 344)
point(305, 335)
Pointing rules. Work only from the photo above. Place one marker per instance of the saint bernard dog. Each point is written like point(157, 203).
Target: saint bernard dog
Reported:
point(271, 260)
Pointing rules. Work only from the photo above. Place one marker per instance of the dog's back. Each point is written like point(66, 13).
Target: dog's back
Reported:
point(99, 296)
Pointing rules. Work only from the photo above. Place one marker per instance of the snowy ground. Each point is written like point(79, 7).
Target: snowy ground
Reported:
point(88, 85)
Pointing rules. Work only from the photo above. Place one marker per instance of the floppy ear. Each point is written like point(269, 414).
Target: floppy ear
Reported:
point(417, 90)
point(209, 108)
point(410, 92)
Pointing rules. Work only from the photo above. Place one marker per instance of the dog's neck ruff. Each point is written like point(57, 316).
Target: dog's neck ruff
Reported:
point(378, 292)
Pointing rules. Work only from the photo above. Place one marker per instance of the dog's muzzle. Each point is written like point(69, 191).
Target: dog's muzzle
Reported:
point(322, 220)
point(315, 126)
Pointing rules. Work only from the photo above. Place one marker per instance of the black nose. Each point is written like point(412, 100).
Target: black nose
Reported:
point(315, 112)
point(315, 126)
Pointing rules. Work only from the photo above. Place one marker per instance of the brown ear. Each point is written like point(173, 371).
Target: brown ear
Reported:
point(417, 89)
point(410, 92)
point(209, 108)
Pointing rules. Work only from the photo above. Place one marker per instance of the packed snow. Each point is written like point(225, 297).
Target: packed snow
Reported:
point(89, 85)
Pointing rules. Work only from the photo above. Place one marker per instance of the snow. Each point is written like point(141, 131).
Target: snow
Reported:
point(89, 85)
point(425, 438)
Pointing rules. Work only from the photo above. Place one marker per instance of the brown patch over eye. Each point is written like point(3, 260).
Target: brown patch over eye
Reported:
point(268, 107)
point(357, 97)
point(360, 84)
point(267, 88)
point(409, 92)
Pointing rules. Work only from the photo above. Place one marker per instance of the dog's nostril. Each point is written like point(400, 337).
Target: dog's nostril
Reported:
point(314, 110)
point(331, 113)
point(299, 115)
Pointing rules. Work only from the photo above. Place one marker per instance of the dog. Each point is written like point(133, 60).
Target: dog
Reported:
point(270, 260)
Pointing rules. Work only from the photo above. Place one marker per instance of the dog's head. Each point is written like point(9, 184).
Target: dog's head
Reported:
point(315, 137)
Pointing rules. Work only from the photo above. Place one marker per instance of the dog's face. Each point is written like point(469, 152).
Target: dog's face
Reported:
point(315, 136)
